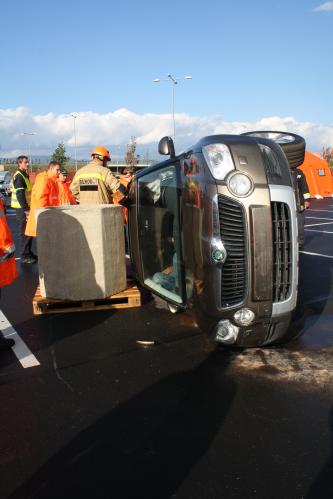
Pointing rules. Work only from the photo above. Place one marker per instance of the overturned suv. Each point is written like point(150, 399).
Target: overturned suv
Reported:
point(214, 230)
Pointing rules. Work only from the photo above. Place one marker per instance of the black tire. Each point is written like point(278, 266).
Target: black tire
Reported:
point(292, 145)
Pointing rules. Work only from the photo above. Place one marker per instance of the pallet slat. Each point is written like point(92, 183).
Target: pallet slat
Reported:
point(129, 298)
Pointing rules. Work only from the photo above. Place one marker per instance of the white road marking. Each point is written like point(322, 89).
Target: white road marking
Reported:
point(315, 254)
point(319, 218)
point(310, 209)
point(10, 214)
point(314, 225)
point(17, 258)
point(22, 352)
point(320, 231)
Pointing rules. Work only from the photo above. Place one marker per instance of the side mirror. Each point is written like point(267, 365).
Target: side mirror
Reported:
point(166, 147)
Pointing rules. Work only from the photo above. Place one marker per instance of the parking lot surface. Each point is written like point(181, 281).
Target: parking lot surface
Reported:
point(89, 412)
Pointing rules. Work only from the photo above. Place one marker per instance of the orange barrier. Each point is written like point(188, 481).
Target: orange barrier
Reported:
point(318, 175)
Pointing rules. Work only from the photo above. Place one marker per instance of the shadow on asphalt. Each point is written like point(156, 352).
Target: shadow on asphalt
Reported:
point(146, 446)
point(322, 488)
point(315, 290)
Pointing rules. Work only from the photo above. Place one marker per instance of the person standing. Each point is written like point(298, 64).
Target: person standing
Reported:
point(65, 195)
point(302, 201)
point(21, 196)
point(45, 192)
point(94, 183)
point(8, 270)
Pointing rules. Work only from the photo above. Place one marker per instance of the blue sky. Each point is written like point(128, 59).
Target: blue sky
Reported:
point(248, 60)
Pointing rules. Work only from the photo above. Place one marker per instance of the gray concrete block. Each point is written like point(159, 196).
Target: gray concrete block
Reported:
point(81, 251)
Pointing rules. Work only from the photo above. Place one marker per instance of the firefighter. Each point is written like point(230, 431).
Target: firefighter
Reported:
point(302, 201)
point(8, 270)
point(21, 195)
point(94, 183)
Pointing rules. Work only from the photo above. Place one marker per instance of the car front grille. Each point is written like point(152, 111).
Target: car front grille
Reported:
point(233, 236)
point(282, 251)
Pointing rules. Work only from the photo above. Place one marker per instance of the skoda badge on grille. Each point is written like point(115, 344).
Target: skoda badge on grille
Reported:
point(219, 253)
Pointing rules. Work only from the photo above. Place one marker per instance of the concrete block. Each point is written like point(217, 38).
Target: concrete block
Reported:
point(81, 251)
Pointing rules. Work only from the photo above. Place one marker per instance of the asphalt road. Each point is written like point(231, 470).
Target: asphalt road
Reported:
point(103, 417)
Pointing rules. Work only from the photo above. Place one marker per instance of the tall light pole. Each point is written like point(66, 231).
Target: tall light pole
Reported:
point(74, 116)
point(29, 150)
point(174, 82)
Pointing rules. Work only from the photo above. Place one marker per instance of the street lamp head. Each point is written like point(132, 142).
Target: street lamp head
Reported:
point(157, 80)
point(188, 77)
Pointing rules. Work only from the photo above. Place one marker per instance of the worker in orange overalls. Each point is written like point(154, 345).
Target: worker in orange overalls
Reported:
point(45, 192)
point(8, 270)
point(65, 195)
point(126, 178)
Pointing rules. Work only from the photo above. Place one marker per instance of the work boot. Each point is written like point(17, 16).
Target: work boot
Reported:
point(6, 344)
point(29, 260)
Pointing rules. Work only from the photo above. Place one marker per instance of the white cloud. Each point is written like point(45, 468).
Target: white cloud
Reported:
point(324, 6)
point(114, 130)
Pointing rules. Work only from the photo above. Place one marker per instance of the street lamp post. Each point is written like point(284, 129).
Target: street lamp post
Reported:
point(174, 82)
point(29, 150)
point(74, 116)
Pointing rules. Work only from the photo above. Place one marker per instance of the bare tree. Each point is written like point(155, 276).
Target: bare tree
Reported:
point(131, 158)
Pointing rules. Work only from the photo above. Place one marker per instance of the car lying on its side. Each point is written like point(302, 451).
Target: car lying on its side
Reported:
point(214, 230)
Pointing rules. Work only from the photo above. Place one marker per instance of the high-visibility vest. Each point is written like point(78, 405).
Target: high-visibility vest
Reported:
point(8, 270)
point(14, 202)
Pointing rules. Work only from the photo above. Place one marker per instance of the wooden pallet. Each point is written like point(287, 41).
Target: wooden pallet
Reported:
point(129, 298)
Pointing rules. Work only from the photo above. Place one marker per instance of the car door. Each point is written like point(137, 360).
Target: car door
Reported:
point(159, 231)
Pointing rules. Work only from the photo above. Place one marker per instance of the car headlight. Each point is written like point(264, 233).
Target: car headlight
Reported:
point(219, 160)
point(240, 184)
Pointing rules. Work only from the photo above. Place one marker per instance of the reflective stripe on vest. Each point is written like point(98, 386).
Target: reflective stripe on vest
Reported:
point(14, 201)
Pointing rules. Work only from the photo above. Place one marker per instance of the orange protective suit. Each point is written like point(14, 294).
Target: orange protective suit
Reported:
point(65, 195)
point(8, 270)
point(45, 192)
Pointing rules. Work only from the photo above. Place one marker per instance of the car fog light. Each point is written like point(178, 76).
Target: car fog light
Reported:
point(226, 332)
point(244, 317)
point(240, 184)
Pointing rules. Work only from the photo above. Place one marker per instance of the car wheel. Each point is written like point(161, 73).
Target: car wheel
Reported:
point(292, 145)
point(174, 309)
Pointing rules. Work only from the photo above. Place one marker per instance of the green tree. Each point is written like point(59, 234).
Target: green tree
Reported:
point(131, 159)
point(59, 155)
